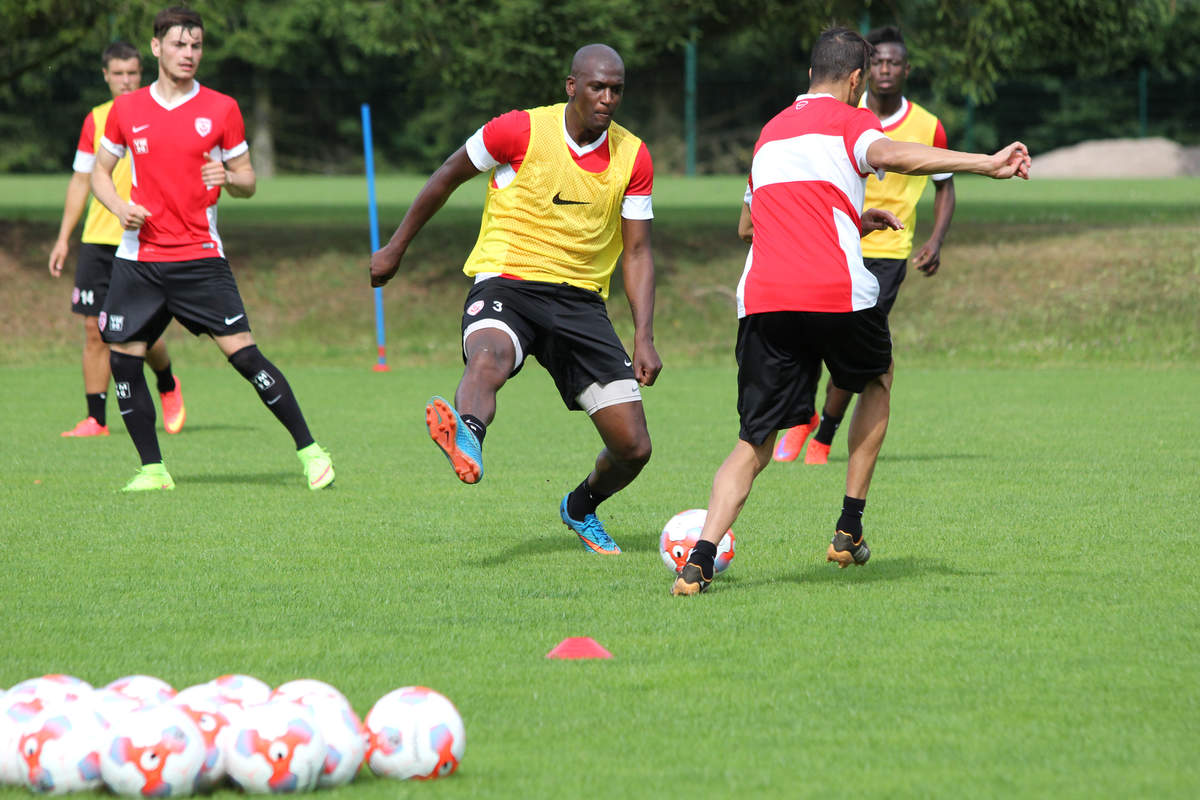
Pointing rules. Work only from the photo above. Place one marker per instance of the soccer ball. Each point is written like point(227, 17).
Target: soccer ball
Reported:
point(680, 535)
point(240, 690)
point(305, 690)
point(274, 747)
point(414, 732)
point(154, 752)
point(147, 690)
point(206, 713)
point(60, 749)
point(20, 705)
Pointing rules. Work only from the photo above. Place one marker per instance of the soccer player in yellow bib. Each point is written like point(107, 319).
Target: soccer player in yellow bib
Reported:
point(122, 70)
point(885, 252)
point(569, 192)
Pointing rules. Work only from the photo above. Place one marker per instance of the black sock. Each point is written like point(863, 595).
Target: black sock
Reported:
point(828, 427)
point(476, 425)
point(97, 407)
point(274, 391)
point(136, 404)
point(583, 501)
point(703, 555)
point(851, 519)
point(166, 380)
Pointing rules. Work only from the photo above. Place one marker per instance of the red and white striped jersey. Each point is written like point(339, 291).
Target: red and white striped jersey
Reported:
point(806, 193)
point(168, 143)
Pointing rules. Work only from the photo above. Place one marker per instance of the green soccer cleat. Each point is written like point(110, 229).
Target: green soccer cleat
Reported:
point(318, 466)
point(151, 477)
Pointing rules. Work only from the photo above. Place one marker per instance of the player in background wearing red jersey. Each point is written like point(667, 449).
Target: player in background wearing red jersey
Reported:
point(569, 190)
point(122, 70)
point(886, 252)
point(187, 144)
point(805, 295)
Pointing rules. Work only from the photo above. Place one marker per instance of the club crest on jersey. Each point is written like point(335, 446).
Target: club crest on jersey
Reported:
point(141, 145)
point(102, 321)
point(203, 126)
point(475, 308)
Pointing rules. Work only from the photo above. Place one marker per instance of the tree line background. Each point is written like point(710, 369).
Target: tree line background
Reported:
point(1050, 72)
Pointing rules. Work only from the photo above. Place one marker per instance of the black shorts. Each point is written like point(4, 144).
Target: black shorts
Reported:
point(144, 295)
point(93, 271)
point(890, 273)
point(565, 327)
point(779, 357)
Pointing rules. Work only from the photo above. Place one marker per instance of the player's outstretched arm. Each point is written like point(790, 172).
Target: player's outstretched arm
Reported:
point(637, 267)
point(130, 215)
point(77, 195)
point(911, 158)
point(454, 172)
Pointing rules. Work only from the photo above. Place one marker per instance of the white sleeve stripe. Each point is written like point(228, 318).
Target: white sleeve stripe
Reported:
point(637, 206)
point(860, 152)
point(942, 176)
point(478, 153)
point(235, 151)
point(117, 150)
point(84, 162)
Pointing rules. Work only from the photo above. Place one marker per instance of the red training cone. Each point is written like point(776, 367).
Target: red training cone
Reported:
point(578, 647)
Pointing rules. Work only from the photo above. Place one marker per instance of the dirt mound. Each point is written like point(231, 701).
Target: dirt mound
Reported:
point(1152, 157)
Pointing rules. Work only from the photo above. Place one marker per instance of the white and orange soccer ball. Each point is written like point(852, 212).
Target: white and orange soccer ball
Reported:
point(680, 535)
point(345, 737)
point(414, 732)
point(201, 706)
point(154, 752)
point(240, 690)
point(274, 747)
point(146, 689)
point(59, 749)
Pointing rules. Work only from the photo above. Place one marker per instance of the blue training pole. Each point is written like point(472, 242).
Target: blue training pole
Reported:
point(373, 213)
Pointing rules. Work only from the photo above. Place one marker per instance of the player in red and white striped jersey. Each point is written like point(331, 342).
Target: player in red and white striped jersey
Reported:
point(805, 296)
point(186, 143)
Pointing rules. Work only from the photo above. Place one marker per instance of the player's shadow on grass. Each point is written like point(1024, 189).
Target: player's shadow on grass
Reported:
point(534, 546)
point(880, 569)
point(292, 478)
point(210, 427)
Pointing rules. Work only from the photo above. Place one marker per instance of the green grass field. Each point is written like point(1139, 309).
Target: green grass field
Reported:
point(1028, 625)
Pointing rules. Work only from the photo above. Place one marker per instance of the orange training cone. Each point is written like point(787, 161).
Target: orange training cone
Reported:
point(578, 647)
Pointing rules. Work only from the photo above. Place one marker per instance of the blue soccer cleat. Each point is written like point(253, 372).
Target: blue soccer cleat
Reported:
point(455, 439)
point(591, 531)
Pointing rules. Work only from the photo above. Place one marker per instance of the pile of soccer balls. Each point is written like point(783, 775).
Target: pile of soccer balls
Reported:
point(139, 737)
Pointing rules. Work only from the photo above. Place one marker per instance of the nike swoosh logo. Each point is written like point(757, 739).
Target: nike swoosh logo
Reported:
point(558, 201)
point(276, 400)
point(140, 128)
point(628, 363)
point(231, 320)
point(127, 411)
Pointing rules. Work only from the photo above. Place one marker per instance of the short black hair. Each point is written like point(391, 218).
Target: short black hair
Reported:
point(888, 34)
point(176, 15)
point(119, 50)
point(838, 52)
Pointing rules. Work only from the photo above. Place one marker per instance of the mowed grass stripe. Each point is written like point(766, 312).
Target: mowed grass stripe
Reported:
point(1026, 626)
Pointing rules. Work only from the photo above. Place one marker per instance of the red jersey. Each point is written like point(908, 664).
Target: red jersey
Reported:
point(168, 144)
point(501, 145)
point(807, 182)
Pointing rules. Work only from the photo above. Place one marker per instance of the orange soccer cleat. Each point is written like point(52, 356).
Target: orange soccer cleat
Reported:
point(173, 410)
point(87, 427)
point(817, 453)
point(789, 447)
